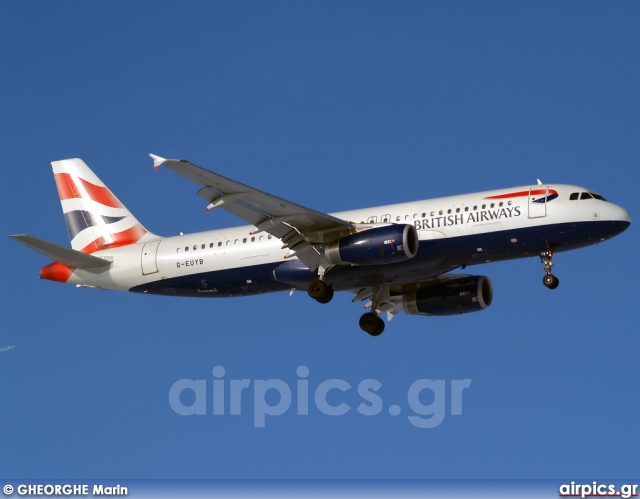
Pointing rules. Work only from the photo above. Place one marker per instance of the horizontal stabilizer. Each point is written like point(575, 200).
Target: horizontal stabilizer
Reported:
point(66, 256)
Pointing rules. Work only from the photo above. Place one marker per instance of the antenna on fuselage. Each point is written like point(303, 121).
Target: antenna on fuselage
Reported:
point(539, 183)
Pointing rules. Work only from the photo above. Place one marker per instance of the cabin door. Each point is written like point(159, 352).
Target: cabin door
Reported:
point(538, 201)
point(149, 255)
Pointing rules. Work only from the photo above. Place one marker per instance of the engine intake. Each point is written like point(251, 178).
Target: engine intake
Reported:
point(377, 246)
point(450, 297)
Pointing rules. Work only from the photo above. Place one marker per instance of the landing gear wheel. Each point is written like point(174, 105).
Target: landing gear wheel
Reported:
point(372, 324)
point(327, 297)
point(550, 281)
point(320, 291)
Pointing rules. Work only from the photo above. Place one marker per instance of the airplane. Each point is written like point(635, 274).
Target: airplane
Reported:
point(397, 257)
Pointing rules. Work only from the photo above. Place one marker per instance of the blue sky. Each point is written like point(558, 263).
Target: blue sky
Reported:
point(335, 105)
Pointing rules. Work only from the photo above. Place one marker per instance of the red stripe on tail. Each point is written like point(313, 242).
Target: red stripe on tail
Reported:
point(69, 189)
point(116, 240)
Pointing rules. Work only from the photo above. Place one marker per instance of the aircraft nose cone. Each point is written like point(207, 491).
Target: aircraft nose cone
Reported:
point(621, 220)
point(621, 215)
point(625, 216)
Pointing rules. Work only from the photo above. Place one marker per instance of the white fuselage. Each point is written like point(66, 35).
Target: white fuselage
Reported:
point(498, 211)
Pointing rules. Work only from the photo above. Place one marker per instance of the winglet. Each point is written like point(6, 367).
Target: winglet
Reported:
point(157, 161)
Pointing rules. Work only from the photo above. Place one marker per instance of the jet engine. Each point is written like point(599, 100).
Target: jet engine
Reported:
point(458, 295)
point(377, 246)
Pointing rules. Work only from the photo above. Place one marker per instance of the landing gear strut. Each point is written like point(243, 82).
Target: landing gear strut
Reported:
point(549, 280)
point(320, 291)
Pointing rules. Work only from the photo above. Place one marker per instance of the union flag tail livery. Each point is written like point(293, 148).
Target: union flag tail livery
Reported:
point(96, 221)
point(95, 218)
point(395, 258)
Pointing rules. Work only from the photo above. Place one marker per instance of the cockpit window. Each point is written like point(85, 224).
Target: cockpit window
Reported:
point(585, 195)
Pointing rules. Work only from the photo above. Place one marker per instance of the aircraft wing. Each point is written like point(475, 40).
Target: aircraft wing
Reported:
point(301, 229)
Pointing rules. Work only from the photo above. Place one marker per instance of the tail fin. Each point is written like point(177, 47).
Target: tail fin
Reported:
point(95, 218)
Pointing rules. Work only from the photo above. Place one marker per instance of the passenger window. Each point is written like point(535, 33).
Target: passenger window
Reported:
point(415, 215)
point(397, 219)
point(261, 238)
point(244, 240)
point(449, 211)
point(178, 251)
point(228, 242)
point(269, 237)
point(509, 203)
point(386, 218)
point(457, 210)
point(440, 212)
point(186, 248)
point(219, 243)
point(492, 205)
point(585, 195)
point(424, 215)
point(195, 246)
point(372, 220)
point(501, 203)
point(211, 245)
point(203, 246)
point(475, 208)
point(433, 213)
point(574, 196)
point(484, 206)
point(253, 239)
point(466, 208)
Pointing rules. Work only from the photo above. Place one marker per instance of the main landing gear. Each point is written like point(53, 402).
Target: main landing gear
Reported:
point(549, 280)
point(320, 291)
point(371, 323)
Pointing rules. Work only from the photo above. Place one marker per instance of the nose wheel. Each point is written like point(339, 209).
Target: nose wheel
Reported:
point(549, 280)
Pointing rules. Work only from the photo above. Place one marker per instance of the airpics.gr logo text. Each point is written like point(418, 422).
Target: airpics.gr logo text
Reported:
point(426, 399)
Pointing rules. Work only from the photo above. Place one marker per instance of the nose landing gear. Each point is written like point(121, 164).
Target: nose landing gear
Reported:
point(549, 280)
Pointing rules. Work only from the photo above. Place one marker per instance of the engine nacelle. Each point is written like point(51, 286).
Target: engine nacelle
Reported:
point(377, 246)
point(449, 297)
